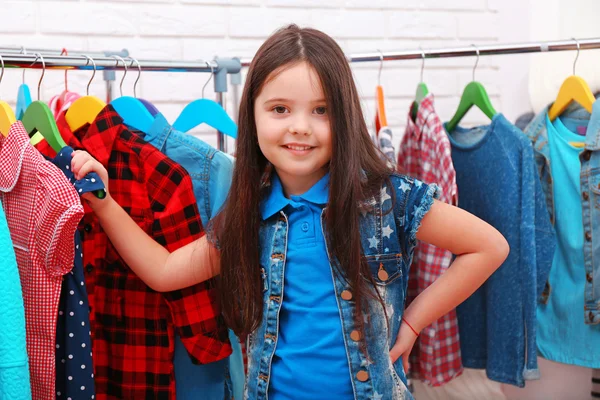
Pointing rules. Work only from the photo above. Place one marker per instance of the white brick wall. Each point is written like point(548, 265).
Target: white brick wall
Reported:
point(202, 29)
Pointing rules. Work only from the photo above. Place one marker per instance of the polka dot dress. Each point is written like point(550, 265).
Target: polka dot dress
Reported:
point(74, 367)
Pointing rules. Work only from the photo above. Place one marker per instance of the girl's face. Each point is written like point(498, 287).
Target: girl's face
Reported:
point(293, 129)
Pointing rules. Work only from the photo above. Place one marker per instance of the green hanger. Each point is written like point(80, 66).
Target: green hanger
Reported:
point(422, 91)
point(473, 95)
point(39, 118)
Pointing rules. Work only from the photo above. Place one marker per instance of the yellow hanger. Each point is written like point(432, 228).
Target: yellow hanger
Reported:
point(85, 109)
point(573, 89)
point(7, 115)
point(380, 117)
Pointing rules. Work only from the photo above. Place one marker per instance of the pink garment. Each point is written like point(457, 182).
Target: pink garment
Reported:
point(425, 154)
point(62, 102)
point(42, 211)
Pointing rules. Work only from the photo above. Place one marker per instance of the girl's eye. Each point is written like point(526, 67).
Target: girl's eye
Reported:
point(280, 110)
point(321, 110)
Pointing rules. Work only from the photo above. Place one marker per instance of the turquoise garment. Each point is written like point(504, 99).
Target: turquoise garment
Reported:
point(211, 172)
point(562, 334)
point(14, 365)
point(310, 360)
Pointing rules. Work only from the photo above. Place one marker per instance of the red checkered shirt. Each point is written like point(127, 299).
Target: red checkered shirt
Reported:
point(425, 154)
point(42, 211)
point(134, 326)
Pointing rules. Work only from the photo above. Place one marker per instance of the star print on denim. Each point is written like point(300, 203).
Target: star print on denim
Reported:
point(377, 396)
point(387, 231)
point(404, 186)
point(373, 242)
point(384, 195)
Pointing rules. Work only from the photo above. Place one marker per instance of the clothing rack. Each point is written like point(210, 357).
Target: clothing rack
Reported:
point(472, 51)
point(220, 68)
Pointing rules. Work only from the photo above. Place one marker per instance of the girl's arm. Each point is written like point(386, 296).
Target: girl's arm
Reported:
point(480, 250)
point(151, 262)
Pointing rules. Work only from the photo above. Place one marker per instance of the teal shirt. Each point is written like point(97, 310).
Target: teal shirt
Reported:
point(14, 367)
point(562, 334)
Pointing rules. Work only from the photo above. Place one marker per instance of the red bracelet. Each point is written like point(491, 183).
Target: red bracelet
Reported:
point(411, 328)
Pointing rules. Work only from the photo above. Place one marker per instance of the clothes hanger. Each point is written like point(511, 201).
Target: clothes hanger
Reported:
point(85, 109)
point(380, 117)
point(205, 111)
point(421, 92)
point(573, 89)
point(131, 109)
point(473, 95)
point(23, 95)
point(149, 106)
point(38, 117)
point(7, 116)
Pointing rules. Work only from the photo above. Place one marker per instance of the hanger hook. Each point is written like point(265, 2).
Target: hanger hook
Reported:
point(64, 52)
point(119, 58)
point(423, 63)
point(577, 56)
point(139, 74)
point(380, 67)
point(38, 56)
point(24, 52)
point(476, 61)
point(87, 90)
point(2, 73)
point(212, 71)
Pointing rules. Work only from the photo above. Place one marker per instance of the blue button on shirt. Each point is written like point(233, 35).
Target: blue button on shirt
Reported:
point(310, 360)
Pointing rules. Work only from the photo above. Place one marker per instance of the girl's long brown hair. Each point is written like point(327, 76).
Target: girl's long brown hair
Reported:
point(356, 173)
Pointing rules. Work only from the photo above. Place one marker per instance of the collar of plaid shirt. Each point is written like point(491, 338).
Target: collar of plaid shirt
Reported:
point(134, 326)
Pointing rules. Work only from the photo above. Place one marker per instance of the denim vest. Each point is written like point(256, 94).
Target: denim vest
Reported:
point(388, 239)
point(590, 196)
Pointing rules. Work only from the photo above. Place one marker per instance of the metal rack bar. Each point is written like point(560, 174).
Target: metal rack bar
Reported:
point(468, 51)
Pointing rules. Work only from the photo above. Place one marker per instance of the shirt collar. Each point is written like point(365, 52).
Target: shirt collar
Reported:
point(276, 200)
point(426, 108)
point(12, 151)
point(99, 138)
point(159, 131)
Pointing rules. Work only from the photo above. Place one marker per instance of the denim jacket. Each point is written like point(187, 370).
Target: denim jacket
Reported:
point(388, 239)
point(590, 196)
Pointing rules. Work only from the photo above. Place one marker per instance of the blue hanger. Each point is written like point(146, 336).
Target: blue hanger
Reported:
point(133, 112)
point(205, 111)
point(23, 100)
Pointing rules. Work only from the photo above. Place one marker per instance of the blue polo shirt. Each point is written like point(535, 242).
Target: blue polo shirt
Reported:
point(310, 361)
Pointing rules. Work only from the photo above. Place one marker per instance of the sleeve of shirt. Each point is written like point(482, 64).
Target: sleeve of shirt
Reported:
point(414, 199)
point(221, 172)
point(194, 310)
point(62, 211)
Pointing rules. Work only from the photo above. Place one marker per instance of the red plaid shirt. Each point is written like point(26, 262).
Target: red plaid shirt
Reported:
point(425, 154)
point(134, 326)
point(42, 211)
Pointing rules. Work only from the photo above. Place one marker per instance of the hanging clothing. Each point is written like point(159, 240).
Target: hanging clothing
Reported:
point(310, 357)
point(385, 144)
point(537, 132)
point(36, 192)
point(496, 178)
point(61, 102)
point(211, 172)
point(426, 155)
point(134, 326)
point(14, 365)
point(74, 366)
point(563, 335)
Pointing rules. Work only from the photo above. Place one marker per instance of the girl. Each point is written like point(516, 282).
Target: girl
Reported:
point(314, 243)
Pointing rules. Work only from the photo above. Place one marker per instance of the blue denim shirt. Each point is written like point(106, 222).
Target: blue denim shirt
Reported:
point(211, 172)
point(496, 178)
point(388, 240)
point(590, 195)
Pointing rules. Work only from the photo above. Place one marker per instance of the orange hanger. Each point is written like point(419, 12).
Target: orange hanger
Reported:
point(380, 117)
point(85, 109)
point(573, 89)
